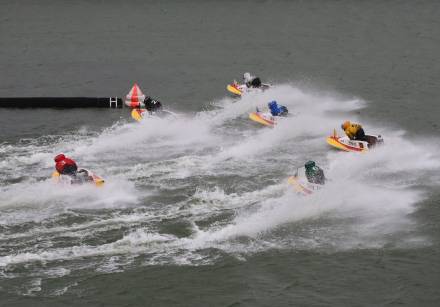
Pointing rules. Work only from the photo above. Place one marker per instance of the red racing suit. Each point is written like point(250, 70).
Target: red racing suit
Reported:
point(65, 166)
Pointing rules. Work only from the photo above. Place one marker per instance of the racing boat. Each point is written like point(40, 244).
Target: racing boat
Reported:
point(138, 114)
point(83, 176)
point(240, 89)
point(264, 118)
point(344, 143)
point(235, 88)
point(302, 186)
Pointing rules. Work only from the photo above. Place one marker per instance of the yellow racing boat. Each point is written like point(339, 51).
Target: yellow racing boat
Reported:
point(265, 119)
point(345, 144)
point(83, 176)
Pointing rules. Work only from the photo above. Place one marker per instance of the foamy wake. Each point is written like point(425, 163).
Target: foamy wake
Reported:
point(188, 188)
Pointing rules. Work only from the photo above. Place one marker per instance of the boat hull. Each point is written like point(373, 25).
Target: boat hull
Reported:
point(302, 186)
point(65, 179)
point(345, 144)
point(262, 118)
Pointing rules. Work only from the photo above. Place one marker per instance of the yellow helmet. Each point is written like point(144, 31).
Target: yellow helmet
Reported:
point(345, 125)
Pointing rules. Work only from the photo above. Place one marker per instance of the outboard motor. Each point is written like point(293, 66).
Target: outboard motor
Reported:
point(374, 140)
point(379, 139)
point(284, 111)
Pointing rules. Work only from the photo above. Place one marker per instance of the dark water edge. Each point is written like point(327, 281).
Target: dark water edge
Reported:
point(276, 278)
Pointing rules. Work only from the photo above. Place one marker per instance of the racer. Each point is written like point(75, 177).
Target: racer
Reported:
point(314, 173)
point(354, 131)
point(277, 110)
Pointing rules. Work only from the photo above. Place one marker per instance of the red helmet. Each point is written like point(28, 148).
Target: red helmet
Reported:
point(59, 157)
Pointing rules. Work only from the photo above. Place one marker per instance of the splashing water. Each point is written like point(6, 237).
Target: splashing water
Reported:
point(189, 189)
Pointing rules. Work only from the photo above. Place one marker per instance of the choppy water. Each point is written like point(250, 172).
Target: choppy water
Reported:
point(196, 209)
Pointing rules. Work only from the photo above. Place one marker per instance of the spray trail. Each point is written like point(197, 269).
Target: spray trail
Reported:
point(192, 188)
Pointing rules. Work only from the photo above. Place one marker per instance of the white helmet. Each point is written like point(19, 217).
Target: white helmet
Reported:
point(247, 76)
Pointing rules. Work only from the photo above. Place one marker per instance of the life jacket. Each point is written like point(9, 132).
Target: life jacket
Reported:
point(256, 82)
point(277, 110)
point(351, 130)
point(65, 165)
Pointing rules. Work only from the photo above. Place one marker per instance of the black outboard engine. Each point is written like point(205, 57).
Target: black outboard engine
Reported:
point(374, 140)
point(152, 105)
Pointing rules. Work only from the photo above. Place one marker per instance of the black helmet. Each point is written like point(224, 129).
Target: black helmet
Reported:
point(309, 164)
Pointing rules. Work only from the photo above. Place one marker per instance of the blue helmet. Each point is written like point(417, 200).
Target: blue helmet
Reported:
point(272, 104)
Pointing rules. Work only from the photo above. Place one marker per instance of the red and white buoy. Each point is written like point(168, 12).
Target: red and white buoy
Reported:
point(135, 97)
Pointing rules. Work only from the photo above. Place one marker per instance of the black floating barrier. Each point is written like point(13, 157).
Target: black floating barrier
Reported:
point(61, 102)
